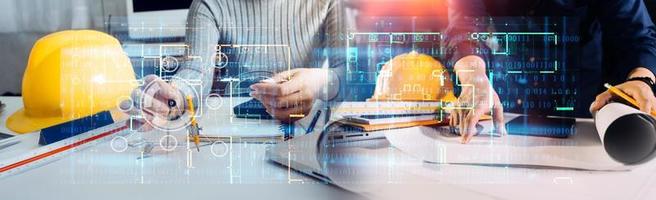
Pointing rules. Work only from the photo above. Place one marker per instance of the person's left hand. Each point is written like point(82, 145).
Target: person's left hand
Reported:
point(290, 92)
point(638, 90)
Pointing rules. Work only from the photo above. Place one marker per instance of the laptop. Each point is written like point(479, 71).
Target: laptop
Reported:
point(301, 154)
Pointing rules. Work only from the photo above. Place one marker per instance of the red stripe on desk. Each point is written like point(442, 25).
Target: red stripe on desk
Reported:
point(60, 149)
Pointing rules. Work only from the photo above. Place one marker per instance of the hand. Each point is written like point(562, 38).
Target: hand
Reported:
point(155, 100)
point(476, 99)
point(290, 92)
point(638, 90)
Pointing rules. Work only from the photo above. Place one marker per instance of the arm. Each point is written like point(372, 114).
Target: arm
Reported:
point(335, 45)
point(202, 37)
point(477, 96)
point(297, 95)
point(629, 37)
point(629, 40)
point(462, 16)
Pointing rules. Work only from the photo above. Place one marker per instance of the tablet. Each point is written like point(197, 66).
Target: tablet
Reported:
point(541, 126)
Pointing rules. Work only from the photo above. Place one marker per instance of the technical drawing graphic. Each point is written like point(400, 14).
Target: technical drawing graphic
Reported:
point(119, 144)
point(160, 122)
point(169, 64)
point(219, 149)
point(214, 101)
point(168, 143)
point(220, 58)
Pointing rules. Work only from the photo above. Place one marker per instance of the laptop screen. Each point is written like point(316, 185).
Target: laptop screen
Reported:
point(159, 5)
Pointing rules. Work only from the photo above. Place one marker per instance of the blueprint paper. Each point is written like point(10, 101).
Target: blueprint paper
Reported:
point(583, 150)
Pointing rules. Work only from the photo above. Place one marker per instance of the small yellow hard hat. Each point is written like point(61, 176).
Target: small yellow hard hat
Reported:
point(71, 75)
point(413, 77)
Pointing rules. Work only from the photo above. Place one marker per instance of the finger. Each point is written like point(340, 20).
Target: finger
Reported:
point(282, 89)
point(137, 95)
point(147, 103)
point(462, 125)
point(160, 89)
point(127, 106)
point(600, 101)
point(149, 79)
point(157, 107)
point(643, 100)
point(168, 90)
point(471, 121)
point(497, 117)
point(285, 101)
point(650, 104)
point(266, 88)
point(266, 100)
point(644, 96)
point(452, 118)
point(456, 118)
point(284, 76)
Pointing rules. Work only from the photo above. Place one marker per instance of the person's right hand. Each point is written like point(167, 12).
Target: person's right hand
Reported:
point(157, 102)
point(477, 98)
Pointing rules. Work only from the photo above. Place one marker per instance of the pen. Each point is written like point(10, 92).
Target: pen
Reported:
point(313, 122)
point(194, 130)
point(618, 92)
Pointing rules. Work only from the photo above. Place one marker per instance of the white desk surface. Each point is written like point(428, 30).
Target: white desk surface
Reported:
point(100, 173)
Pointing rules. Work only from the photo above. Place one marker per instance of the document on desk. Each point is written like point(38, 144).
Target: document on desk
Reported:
point(221, 123)
point(437, 145)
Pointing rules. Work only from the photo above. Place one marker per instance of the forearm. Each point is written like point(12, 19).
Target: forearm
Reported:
point(462, 23)
point(196, 75)
point(336, 73)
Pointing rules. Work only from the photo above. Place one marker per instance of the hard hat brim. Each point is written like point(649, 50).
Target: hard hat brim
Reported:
point(20, 123)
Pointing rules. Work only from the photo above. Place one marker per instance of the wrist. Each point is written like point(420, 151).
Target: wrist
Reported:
point(642, 72)
point(471, 70)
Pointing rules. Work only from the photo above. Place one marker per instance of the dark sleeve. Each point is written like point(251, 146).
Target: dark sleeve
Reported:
point(629, 36)
point(462, 23)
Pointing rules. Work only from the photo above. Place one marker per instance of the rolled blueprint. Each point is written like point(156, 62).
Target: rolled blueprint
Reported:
point(628, 134)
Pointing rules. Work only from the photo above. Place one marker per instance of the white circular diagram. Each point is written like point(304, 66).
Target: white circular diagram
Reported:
point(125, 104)
point(214, 101)
point(220, 60)
point(119, 144)
point(169, 64)
point(168, 143)
point(224, 148)
point(159, 122)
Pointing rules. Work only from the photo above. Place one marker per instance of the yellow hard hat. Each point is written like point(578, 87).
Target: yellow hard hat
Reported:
point(413, 77)
point(71, 75)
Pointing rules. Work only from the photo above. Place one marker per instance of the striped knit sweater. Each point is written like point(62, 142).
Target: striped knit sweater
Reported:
point(272, 36)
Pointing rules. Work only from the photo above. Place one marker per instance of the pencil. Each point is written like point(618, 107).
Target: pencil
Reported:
point(193, 124)
point(617, 92)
